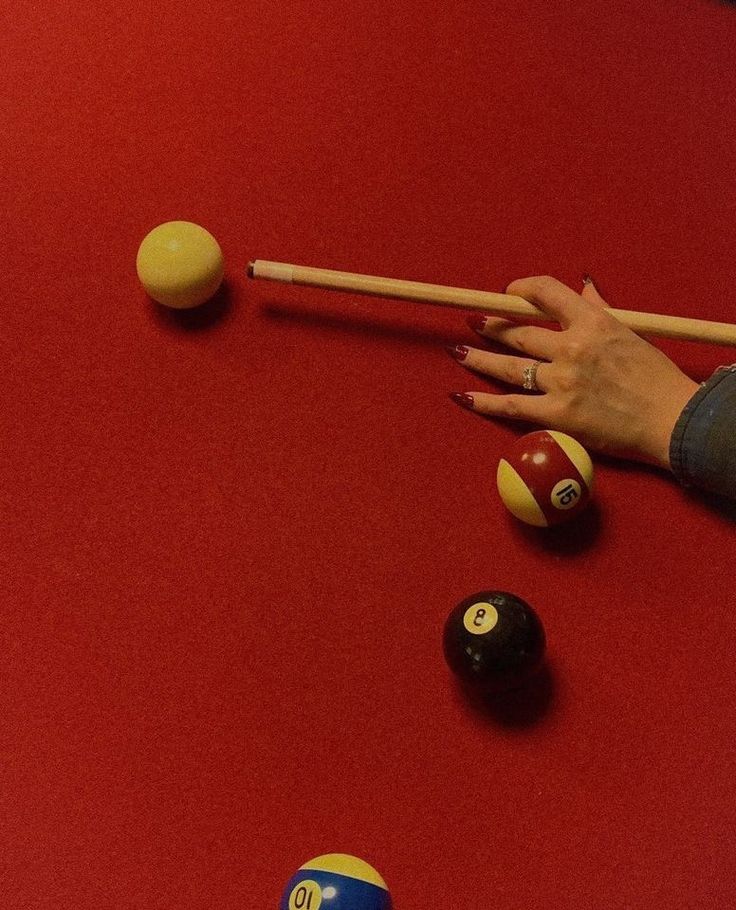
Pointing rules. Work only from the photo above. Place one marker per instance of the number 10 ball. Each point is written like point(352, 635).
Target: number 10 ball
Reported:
point(336, 881)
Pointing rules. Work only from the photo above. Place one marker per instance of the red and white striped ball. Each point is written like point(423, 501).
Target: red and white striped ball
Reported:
point(546, 478)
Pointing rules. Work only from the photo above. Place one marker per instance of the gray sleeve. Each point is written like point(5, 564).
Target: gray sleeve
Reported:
point(703, 444)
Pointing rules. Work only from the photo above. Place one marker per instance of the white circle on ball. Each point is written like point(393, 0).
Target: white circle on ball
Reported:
point(566, 494)
point(481, 618)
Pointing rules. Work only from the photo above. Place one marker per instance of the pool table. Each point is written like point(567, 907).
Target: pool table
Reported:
point(231, 536)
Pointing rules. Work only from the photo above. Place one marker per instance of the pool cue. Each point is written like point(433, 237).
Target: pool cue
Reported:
point(499, 304)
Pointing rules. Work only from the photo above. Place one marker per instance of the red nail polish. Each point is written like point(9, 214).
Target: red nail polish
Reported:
point(464, 399)
point(459, 352)
point(477, 323)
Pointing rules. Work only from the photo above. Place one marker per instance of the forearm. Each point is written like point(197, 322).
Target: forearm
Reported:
point(703, 444)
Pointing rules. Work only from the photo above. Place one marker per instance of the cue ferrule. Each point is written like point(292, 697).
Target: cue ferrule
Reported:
point(506, 305)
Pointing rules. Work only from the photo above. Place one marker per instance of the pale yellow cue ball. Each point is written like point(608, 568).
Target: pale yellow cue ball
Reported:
point(180, 264)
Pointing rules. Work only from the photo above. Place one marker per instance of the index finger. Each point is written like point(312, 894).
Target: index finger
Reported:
point(556, 299)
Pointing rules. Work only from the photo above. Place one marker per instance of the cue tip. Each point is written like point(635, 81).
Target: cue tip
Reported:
point(251, 270)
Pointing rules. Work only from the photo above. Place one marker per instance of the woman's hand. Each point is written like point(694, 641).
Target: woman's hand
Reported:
point(595, 378)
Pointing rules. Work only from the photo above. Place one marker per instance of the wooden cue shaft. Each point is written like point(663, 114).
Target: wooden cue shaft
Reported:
point(499, 304)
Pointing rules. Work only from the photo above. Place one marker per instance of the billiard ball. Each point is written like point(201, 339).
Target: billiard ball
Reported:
point(546, 478)
point(493, 641)
point(336, 881)
point(180, 264)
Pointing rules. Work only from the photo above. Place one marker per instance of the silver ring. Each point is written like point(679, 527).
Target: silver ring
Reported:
point(530, 376)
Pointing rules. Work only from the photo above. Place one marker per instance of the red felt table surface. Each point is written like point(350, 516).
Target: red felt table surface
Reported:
point(230, 538)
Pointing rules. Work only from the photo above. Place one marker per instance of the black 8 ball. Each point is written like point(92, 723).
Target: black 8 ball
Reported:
point(493, 641)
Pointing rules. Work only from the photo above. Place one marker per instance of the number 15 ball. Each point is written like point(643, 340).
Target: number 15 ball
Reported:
point(546, 478)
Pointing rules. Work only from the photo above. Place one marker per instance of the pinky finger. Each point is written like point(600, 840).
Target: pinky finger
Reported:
point(591, 293)
point(530, 408)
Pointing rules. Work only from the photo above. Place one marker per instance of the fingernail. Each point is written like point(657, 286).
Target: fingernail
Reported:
point(464, 399)
point(477, 323)
point(459, 352)
point(587, 279)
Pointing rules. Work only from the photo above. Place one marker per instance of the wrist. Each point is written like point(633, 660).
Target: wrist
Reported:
point(702, 450)
point(666, 422)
